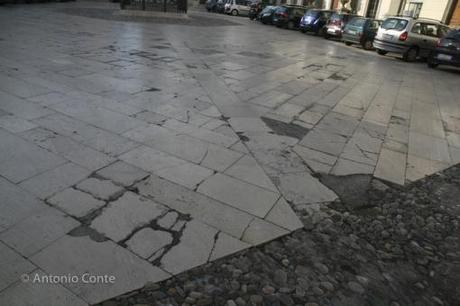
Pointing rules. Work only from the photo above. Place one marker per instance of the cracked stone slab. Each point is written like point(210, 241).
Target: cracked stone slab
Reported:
point(194, 248)
point(75, 202)
point(226, 245)
point(77, 255)
point(124, 215)
point(148, 241)
point(241, 195)
point(347, 167)
point(100, 189)
point(212, 212)
point(37, 231)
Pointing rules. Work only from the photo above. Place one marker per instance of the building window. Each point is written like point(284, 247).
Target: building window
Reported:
point(414, 8)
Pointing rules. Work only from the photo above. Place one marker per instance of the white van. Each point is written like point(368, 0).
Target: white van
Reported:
point(237, 7)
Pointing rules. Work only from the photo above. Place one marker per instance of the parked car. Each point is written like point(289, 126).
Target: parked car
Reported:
point(361, 31)
point(266, 16)
point(408, 36)
point(254, 11)
point(288, 16)
point(315, 21)
point(220, 6)
point(237, 7)
point(336, 24)
point(211, 5)
point(447, 51)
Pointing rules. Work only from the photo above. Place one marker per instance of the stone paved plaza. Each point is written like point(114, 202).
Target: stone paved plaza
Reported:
point(140, 150)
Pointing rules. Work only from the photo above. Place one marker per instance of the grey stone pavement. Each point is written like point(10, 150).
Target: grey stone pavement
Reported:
point(141, 150)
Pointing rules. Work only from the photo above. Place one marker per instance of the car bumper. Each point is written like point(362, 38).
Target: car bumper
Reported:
point(334, 32)
point(307, 27)
point(390, 46)
point(351, 38)
point(445, 58)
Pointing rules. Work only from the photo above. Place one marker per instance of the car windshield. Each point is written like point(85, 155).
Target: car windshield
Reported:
point(394, 24)
point(312, 13)
point(454, 34)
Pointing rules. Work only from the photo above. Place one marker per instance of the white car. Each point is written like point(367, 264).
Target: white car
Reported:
point(237, 7)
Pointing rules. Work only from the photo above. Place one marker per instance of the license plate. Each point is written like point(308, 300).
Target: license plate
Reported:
point(388, 36)
point(444, 57)
point(351, 32)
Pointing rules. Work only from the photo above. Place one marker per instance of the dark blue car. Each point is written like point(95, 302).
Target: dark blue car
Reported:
point(315, 20)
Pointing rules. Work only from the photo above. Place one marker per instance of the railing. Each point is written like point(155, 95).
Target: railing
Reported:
point(178, 6)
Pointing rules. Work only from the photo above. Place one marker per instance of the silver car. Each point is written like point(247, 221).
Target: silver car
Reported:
point(408, 36)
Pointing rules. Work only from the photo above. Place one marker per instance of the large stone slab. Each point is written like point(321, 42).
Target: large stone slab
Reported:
point(20, 159)
point(16, 204)
point(241, 195)
point(39, 293)
point(79, 255)
point(302, 188)
point(48, 183)
point(37, 231)
point(12, 266)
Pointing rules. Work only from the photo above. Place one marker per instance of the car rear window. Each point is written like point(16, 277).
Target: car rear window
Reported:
point(394, 24)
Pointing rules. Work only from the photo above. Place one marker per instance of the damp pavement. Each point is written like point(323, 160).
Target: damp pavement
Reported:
point(139, 149)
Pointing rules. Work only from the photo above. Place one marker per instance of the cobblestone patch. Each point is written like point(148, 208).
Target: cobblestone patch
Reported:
point(400, 248)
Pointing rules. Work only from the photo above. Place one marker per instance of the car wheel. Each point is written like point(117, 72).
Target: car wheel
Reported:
point(382, 52)
point(235, 13)
point(348, 43)
point(368, 45)
point(411, 55)
point(290, 25)
point(432, 65)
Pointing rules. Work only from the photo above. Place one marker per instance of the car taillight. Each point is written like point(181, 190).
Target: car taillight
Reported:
point(438, 43)
point(403, 36)
point(284, 14)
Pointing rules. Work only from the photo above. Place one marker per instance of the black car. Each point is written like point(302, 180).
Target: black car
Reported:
point(447, 51)
point(315, 21)
point(266, 16)
point(361, 31)
point(288, 16)
point(211, 5)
